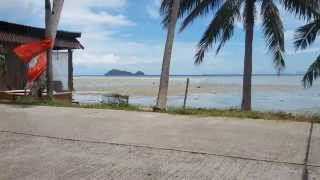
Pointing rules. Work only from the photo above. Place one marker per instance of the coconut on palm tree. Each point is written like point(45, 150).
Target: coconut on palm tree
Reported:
point(304, 37)
point(226, 13)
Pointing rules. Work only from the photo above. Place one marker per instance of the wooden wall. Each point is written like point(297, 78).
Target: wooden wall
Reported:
point(2, 69)
point(14, 76)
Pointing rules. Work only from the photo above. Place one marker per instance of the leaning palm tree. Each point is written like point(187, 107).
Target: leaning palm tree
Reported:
point(164, 79)
point(226, 13)
point(304, 37)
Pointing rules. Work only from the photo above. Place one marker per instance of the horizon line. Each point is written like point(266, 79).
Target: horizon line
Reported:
point(257, 74)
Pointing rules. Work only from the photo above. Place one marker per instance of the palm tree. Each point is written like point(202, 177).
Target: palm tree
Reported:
point(304, 37)
point(52, 17)
point(227, 13)
point(164, 79)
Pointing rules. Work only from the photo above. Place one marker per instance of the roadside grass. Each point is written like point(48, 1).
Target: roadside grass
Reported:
point(29, 101)
point(237, 113)
point(113, 106)
point(234, 113)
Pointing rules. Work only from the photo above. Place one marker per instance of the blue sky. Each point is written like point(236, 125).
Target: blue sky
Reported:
point(127, 35)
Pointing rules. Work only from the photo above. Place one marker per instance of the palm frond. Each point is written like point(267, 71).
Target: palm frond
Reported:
point(220, 29)
point(306, 35)
point(304, 9)
point(312, 74)
point(185, 7)
point(165, 6)
point(165, 10)
point(202, 8)
point(273, 32)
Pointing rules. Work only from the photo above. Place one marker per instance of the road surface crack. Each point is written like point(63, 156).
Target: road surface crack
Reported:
point(305, 164)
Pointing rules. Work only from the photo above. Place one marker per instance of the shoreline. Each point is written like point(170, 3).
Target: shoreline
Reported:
point(194, 75)
point(200, 112)
point(269, 93)
point(149, 87)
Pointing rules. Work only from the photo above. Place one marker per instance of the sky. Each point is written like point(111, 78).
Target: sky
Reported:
point(128, 35)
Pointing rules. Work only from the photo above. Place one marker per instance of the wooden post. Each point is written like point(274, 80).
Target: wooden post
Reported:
point(70, 70)
point(48, 14)
point(52, 20)
point(186, 94)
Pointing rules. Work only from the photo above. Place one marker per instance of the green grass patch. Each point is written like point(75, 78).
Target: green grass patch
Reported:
point(234, 113)
point(124, 107)
point(30, 101)
point(243, 114)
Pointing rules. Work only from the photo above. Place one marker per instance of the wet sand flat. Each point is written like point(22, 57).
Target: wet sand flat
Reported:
point(269, 93)
point(136, 86)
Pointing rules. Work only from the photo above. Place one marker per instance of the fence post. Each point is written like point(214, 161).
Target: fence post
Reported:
point(186, 94)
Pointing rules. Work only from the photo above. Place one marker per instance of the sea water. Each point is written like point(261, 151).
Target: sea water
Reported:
point(270, 93)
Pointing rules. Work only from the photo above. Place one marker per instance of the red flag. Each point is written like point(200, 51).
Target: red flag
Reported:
point(38, 68)
point(28, 51)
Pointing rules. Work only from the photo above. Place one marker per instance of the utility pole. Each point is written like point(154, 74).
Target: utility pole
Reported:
point(164, 80)
point(52, 18)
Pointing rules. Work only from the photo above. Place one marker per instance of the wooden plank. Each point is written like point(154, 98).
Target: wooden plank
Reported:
point(7, 97)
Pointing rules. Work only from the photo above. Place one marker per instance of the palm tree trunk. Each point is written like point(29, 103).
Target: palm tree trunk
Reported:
point(52, 20)
point(164, 80)
point(247, 74)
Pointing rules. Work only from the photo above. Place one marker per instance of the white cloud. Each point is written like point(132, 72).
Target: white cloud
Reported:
point(84, 13)
point(289, 35)
point(15, 10)
point(87, 59)
point(98, 20)
point(99, 29)
point(19, 5)
point(153, 9)
point(107, 46)
point(95, 3)
point(84, 18)
point(306, 51)
point(76, 13)
point(105, 50)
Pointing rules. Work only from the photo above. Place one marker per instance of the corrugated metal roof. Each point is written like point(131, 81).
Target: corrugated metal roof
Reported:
point(19, 34)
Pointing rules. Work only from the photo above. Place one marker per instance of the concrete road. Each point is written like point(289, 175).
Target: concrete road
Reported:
point(68, 143)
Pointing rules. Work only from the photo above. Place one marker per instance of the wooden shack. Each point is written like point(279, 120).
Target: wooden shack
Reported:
point(12, 70)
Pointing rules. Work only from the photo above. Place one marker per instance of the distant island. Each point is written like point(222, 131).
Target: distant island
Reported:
point(117, 72)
